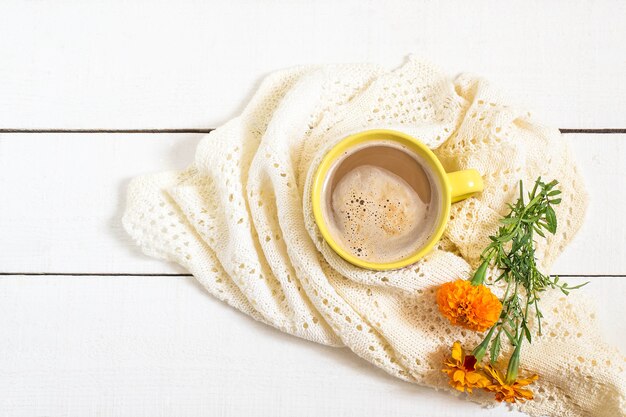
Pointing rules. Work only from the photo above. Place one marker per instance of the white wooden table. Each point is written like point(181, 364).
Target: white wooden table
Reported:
point(94, 93)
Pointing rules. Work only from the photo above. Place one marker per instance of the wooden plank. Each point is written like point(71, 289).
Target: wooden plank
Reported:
point(72, 64)
point(69, 193)
point(64, 196)
point(157, 346)
point(599, 246)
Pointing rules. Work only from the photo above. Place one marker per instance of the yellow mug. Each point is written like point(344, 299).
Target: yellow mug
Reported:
point(453, 187)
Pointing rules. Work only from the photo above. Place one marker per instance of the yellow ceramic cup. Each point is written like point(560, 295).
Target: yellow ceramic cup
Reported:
point(453, 187)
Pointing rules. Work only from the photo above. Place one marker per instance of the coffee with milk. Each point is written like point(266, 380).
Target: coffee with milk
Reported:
point(379, 202)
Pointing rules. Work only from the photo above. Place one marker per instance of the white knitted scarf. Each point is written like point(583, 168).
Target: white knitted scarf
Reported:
point(239, 219)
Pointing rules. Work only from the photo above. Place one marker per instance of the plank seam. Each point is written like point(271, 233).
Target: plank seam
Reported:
point(122, 274)
point(208, 130)
point(10, 130)
point(93, 274)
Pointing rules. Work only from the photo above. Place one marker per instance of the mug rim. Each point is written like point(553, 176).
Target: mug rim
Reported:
point(375, 135)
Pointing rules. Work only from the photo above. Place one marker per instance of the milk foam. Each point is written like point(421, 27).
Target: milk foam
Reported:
point(378, 216)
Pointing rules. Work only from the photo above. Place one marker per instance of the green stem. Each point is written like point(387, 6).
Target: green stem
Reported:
point(538, 314)
point(526, 309)
point(480, 351)
point(506, 294)
point(511, 372)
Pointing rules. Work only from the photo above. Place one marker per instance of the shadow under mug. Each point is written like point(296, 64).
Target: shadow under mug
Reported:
point(452, 187)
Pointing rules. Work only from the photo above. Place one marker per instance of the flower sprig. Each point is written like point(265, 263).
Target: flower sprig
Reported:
point(512, 253)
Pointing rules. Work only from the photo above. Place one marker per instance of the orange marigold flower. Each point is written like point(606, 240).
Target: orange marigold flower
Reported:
point(462, 370)
point(512, 392)
point(471, 306)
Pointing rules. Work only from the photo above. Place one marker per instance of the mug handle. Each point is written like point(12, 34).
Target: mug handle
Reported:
point(464, 184)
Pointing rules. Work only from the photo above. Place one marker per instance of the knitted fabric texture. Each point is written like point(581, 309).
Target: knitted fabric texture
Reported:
point(239, 219)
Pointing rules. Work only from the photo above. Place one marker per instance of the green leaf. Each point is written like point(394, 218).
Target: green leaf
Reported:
point(551, 219)
point(509, 335)
point(534, 191)
point(527, 334)
point(579, 286)
point(517, 245)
